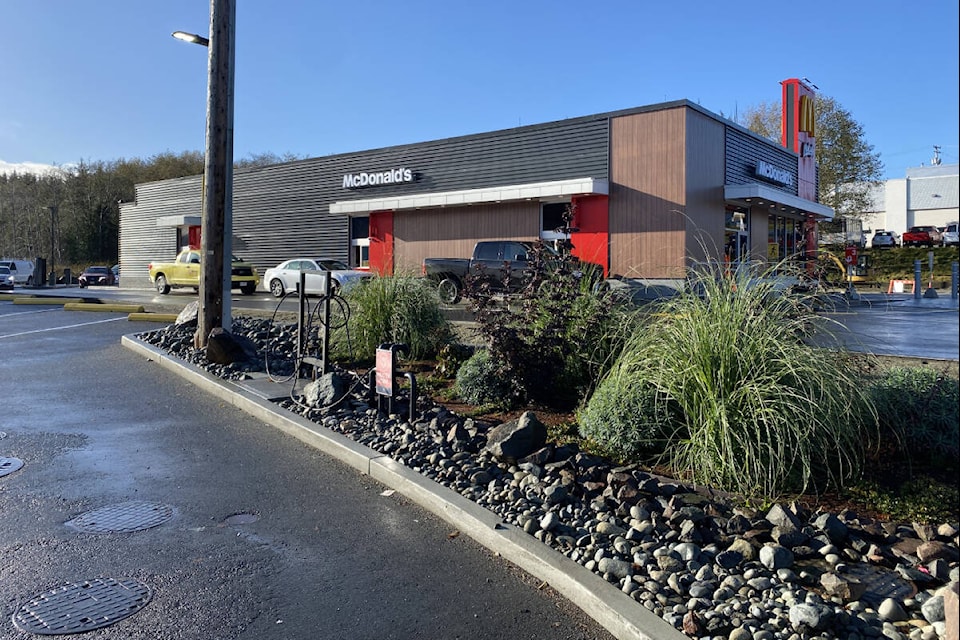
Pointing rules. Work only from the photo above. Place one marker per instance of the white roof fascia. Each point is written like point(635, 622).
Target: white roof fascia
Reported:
point(768, 195)
point(577, 186)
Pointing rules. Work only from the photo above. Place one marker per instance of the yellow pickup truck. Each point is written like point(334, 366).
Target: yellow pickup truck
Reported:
point(185, 272)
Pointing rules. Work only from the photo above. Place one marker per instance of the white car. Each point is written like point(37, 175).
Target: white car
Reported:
point(286, 276)
point(950, 235)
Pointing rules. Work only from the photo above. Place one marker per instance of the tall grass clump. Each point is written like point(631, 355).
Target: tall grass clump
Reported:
point(398, 308)
point(717, 385)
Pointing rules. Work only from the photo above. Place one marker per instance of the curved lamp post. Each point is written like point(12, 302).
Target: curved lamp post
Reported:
point(216, 228)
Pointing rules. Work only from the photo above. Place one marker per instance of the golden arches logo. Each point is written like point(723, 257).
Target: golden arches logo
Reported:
point(808, 115)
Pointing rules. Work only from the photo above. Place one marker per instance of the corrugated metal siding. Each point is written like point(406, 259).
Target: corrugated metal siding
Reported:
point(743, 152)
point(939, 192)
point(141, 240)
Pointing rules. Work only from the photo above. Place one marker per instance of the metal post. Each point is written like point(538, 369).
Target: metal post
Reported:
point(325, 346)
point(953, 280)
point(215, 245)
point(930, 292)
point(53, 252)
point(916, 279)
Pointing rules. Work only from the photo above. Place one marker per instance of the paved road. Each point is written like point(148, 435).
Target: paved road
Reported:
point(267, 539)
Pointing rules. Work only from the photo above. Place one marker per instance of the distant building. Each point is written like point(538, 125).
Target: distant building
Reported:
point(926, 196)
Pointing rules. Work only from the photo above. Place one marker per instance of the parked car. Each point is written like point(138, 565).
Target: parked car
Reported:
point(286, 276)
point(116, 273)
point(922, 236)
point(885, 239)
point(100, 276)
point(950, 238)
point(7, 279)
point(22, 270)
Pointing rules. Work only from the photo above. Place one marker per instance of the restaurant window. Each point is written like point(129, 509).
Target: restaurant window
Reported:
point(360, 241)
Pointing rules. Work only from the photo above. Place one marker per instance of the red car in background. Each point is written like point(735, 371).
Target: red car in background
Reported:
point(96, 276)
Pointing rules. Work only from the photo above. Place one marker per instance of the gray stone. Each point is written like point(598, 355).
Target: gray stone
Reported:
point(517, 438)
point(225, 348)
point(932, 609)
point(773, 556)
point(806, 616)
point(325, 391)
point(847, 589)
point(189, 315)
point(891, 610)
point(832, 526)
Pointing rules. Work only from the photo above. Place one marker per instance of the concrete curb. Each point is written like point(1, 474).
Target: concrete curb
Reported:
point(147, 316)
point(606, 604)
point(87, 306)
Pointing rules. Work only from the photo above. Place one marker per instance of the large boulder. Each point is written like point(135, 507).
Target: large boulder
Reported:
point(225, 348)
point(325, 391)
point(516, 439)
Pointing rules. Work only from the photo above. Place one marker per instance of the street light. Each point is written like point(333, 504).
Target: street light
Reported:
point(191, 37)
point(216, 229)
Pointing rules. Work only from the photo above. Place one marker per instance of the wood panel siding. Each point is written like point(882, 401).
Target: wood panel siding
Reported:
point(648, 194)
point(452, 232)
point(704, 188)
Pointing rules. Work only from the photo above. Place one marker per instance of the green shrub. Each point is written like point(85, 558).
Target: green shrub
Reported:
point(480, 382)
point(626, 418)
point(554, 337)
point(917, 409)
point(399, 309)
point(757, 411)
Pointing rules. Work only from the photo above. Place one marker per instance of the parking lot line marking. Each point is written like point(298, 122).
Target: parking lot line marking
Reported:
point(69, 326)
point(20, 313)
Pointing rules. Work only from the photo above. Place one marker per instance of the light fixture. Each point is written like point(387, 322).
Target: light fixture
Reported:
point(191, 37)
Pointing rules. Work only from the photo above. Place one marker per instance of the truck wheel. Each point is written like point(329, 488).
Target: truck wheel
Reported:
point(449, 290)
point(161, 285)
point(276, 288)
point(247, 288)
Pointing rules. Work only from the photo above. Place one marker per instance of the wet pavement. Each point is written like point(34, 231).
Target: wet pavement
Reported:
point(896, 325)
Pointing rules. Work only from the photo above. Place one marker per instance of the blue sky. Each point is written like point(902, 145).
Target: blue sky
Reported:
point(104, 79)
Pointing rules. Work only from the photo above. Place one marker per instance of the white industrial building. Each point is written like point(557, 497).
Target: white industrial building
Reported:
point(925, 196)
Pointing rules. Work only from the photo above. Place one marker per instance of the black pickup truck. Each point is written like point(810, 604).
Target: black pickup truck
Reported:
point(504, 265)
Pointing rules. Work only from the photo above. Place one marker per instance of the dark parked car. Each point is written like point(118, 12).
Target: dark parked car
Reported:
point(96, 276)
point(885, 239)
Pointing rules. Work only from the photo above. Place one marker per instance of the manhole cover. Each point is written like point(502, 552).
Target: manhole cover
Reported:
point(9, 465)
point(82, 606)
point(241, 518)
point(125, 517)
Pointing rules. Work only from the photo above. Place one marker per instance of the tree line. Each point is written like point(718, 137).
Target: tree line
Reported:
point(72, 214)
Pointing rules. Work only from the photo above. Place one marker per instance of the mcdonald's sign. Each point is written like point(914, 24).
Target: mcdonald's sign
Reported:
point(808, 115)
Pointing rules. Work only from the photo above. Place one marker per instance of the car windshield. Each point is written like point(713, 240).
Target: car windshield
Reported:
point(332, 265)
point(97, 270)
point(4, 271)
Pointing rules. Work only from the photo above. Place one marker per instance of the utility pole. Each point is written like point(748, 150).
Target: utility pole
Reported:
point(216, 223)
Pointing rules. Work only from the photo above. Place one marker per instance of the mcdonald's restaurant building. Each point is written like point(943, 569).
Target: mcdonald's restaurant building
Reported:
point(653, 190)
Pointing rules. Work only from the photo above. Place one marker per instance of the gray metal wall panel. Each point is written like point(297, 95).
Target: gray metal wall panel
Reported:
point(743, 152)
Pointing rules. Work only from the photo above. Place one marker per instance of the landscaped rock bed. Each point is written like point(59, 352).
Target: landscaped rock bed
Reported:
point(706, 566)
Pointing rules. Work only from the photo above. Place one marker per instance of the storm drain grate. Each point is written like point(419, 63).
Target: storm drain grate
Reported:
point(9, 465)
point(82, 606)
point(125, 517)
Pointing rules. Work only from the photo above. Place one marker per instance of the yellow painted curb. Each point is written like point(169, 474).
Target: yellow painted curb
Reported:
point(63, 301)
point(153, 317)
point(90, 306)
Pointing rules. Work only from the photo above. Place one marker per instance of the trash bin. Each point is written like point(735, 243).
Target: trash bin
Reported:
point(52, 280)
point(67, 277)
point(39, 268)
